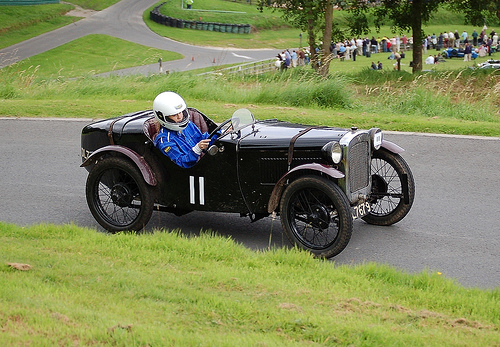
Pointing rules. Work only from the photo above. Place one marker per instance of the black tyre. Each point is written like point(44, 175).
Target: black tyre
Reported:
point(316, 216)
point(118, 196)
point(391, 180)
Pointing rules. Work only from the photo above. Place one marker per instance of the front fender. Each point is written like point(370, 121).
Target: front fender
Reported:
point(144, 167)
point(278, 188)
point(392, 147)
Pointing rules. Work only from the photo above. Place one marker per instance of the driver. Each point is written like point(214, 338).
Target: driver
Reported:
point(179, 138)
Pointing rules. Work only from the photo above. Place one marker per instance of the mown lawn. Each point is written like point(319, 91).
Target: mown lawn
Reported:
point(88, 288)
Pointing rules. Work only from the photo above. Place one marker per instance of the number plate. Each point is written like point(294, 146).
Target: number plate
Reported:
point(361, 210)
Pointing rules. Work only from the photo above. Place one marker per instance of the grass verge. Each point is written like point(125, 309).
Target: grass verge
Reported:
point(19, 23)
point(90, 288)
point(451, 103)
point(88, 55)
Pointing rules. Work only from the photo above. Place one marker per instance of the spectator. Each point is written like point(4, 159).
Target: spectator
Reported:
point(294, 58)
point(489, 43)
point(457, 38)
point(393, 44)
point(451, 39)
point(359, 46)
point(429, 60)
point(467, 52)
point(302, 57)
point(342, 50)
point(383, 42)
point(278, 63)
point(440, 41)
point(464, 37)
point(404, 39)
point(433, 40)
point(281, 58)
point(366, 45)
point(474, 38)
point(334, 50)
point(307, 56)
point(379, 66)
point(288, 58)
point(482, 51)
point(374, 44)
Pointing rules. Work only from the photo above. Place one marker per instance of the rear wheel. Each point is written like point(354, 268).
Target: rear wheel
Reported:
point(118, 196)
point(316, 216)
point(391, 180)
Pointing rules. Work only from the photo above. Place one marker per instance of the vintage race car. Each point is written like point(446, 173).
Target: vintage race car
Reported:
point(318, 179)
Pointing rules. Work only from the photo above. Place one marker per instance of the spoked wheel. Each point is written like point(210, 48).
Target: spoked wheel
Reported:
point(316, 216)
point(118, 196)
point(393, 189)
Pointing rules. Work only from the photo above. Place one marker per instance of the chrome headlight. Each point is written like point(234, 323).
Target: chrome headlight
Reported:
point(332, 151)
point(377, 137)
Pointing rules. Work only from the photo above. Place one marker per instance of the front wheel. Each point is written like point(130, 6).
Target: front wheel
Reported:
point(316, 216)
point(393, 189)
point(118, 196)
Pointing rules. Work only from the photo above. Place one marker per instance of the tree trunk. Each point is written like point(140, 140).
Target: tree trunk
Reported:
point(324, 68)
point(416, 27)
point(312, 44)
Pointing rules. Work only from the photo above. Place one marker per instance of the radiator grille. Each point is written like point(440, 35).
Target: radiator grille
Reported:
point(359, 166)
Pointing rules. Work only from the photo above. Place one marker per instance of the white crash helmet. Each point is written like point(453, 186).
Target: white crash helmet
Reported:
point(168, 104)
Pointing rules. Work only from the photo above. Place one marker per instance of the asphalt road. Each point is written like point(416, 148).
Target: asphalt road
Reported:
point(452, 228)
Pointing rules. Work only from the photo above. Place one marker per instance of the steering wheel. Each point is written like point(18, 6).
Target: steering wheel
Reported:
point(216, 130)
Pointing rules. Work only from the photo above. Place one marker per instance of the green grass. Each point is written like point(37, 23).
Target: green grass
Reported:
point(234, 13)
point(89, 288)
point(448, 102)
point(264, 26)
point(96, 5)
point(19, 23)
point(90, 54)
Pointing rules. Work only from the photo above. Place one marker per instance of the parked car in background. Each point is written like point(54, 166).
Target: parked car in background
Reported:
point(449, 53)
point(489, 64)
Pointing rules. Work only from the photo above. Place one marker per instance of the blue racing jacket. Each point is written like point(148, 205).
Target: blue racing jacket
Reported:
point(181, 146)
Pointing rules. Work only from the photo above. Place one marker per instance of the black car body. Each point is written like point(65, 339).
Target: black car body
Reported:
point(318, 179)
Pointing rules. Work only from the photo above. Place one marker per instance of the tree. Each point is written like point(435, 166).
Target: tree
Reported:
point(478, 12)
point(404, 15)
point(310, 16)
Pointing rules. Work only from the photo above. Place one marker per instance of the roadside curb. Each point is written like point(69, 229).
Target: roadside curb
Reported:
point(471, 137)
point(50, 119)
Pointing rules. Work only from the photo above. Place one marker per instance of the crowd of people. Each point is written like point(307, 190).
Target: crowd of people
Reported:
point(287, 59)
point(482, 44)
point(349, 49)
